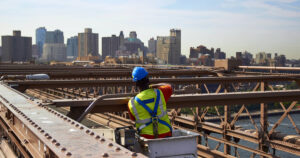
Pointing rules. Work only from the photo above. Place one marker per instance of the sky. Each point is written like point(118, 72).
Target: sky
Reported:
point(271, 26)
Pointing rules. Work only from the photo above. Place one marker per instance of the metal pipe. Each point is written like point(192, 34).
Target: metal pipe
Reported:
point(98, 100)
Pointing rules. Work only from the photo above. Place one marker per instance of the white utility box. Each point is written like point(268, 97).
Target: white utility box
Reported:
point(183, 144)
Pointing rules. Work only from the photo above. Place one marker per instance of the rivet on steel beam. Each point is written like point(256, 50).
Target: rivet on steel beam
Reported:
point(46, 134)
point(102, 140)
point(65, 118)
point(39, 128)
point(87, 131)
point(25, 141)
point(97, 137)
point(105, 155)
point(69, 154)
point(92, 133)
point(110, 144)
point(53, 141)
point(118, 149)
point(61, 116)
point(77, 125)
point(81, 127)
point(35, 125)
point(63, 149)
point(42, 131)
point(57, 144)
point(69, 120)
point(49, 137)
point(73, 123)
point(134, 154)
point(58, 114)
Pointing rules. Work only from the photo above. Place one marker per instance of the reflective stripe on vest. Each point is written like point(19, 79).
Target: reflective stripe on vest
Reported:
point(153, 113)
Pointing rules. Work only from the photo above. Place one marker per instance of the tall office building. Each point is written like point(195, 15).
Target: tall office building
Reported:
point(238, 55)
point(16, 48)
point(219, 54)
point(87, 44)
point(72, 48)
point(247, 58)
point(263, 59)
point(201, 50)
point(152, 46)
point(132, 34)
point(40, 35)
point(121, 39)
point(110, 45)
point(35, 53)
point(54, 52)
point(55, 36)
point(169, 47)
point(133, 45)
point(280, 60)
point(0, 53)
point(54, 48)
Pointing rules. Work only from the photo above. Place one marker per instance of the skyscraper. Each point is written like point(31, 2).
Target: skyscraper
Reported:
point(16, 48)
point(169, 47)
point(121, 38)
point(110, 45)
point(35, 53)
point(133, 44)
point(132, 34)
point(54, 48)
point(54, 52)
point(72, 48)
point(55, 36)
point(40, 35)
point(87, 43)
point(219, 54)
point(200, 50)
point(238, 55)
point(152, 46)
point(263, 59)
point(0, 53)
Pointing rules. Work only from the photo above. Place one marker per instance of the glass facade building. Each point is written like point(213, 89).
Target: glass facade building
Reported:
point(72, 47)
point(40, 34)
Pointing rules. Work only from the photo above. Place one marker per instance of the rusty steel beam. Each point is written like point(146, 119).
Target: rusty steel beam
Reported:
point(200, 100)
point(47, 133)
point(270, 68)
point(107, 73)
point(252, 137)
point(204, 151)
point(128, 82)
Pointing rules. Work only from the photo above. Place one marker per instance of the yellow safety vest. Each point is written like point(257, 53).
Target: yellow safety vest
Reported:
point(148, 107)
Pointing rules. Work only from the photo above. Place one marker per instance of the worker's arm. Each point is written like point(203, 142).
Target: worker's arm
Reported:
point(159, 85)
point(165, 88)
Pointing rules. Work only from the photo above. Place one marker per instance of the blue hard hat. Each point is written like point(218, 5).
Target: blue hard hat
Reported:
point(138, 73)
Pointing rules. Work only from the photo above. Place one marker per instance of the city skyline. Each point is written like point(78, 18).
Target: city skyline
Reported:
point(271, 26)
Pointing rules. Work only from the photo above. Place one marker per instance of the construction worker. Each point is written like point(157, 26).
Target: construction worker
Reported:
point(148, 108)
